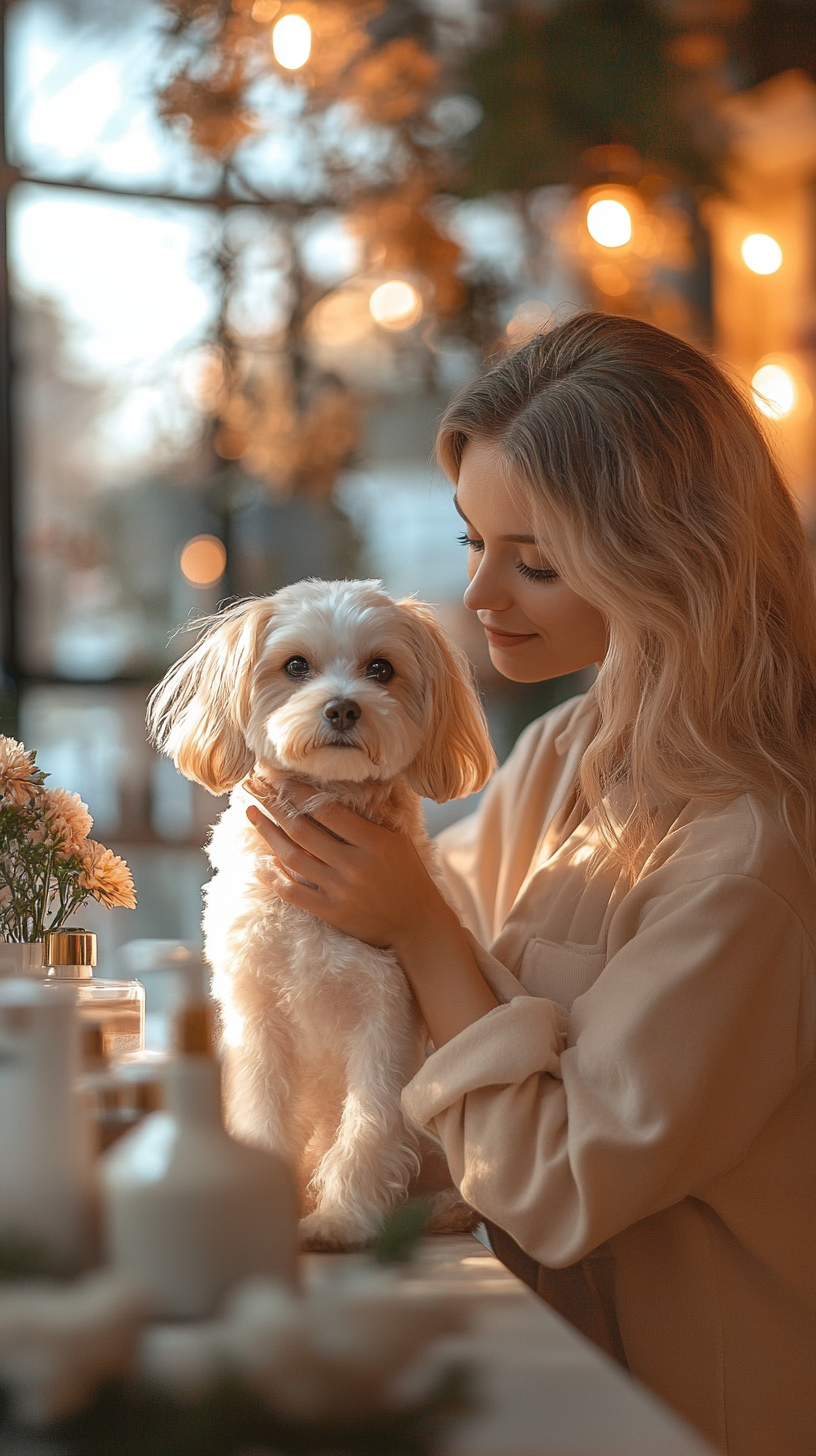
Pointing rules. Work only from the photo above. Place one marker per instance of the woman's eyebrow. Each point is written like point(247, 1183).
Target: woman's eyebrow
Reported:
point(513, 540)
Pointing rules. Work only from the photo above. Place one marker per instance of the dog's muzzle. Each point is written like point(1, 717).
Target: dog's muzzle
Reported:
point(341, 714)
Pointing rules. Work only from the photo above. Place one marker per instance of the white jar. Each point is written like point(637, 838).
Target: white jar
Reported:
point(46, 1187)
point(189, 1212)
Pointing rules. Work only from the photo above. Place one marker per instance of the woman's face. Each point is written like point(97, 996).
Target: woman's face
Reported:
point(536, 626)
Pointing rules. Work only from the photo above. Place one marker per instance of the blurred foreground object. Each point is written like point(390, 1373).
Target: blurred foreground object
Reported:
point(190, 1211)
point(58, 1343)
point(763, 246)
point(46, 1191)
point(332, 1354)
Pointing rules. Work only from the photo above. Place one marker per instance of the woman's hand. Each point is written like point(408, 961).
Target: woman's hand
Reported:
point(364, 879)
point(370, 883)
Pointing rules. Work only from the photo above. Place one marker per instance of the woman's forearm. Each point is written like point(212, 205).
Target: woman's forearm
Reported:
point(449, 987)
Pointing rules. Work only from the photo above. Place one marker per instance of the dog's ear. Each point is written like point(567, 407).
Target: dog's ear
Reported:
point(457, 756)
point(199, 711)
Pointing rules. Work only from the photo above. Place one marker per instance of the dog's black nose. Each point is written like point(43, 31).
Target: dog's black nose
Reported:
point(342, 713)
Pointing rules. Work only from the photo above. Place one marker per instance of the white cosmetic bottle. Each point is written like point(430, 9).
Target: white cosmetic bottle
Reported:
point(189, 1211)
point(47, 1197)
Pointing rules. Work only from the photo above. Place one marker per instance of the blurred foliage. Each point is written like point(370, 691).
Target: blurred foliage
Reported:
point(134, 1419)
point(398, 1239)
point(372, 153)
point(589, 73)
point(25, 1258)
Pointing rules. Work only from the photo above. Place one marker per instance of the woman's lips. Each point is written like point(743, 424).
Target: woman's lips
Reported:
point(507, 639)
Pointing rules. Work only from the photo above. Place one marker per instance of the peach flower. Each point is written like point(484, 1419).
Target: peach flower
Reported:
point(19, 776)
point(106, 876)
point(68, 819)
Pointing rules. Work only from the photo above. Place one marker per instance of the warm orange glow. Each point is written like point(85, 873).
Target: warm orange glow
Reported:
point(774, 390)
point(292, 42)
point(609, 223)
point(761, 253)
point(395, 305)
point(610, 279)
point(265, 10)
point(203, 560)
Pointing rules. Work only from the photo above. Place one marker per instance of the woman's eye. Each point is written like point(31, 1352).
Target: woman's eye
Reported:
point(296, 667)
point(380, 669)
point(537, 573)
point(471, 541)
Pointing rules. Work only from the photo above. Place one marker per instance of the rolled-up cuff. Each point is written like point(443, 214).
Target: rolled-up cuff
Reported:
point(512, 1042)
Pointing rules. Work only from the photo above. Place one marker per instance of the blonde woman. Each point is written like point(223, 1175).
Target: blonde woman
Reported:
point(623, 1010)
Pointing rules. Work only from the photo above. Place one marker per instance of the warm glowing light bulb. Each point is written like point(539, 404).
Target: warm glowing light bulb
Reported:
point(292, 42)
point(395, 305)
point(203, 560)
point(609, 223)
point(774, 391)
point(761, 253)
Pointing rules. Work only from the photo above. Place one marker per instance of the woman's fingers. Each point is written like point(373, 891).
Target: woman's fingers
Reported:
point(311, 836)
point(340, 822)
point(291, 855)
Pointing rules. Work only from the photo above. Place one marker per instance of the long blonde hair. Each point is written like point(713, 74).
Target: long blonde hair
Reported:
point(656, 495)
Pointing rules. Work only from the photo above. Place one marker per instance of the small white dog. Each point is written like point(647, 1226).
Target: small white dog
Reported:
point(369, 702)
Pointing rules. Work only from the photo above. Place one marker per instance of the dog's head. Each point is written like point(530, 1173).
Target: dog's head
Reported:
point(330, 679)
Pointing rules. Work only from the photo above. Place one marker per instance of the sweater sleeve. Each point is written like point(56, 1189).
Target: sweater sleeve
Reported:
point(675, 1059)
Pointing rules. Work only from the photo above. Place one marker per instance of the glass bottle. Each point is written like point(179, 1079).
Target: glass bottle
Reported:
point(117, 1008)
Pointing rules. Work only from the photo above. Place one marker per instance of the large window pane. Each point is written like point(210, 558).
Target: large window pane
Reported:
point(111, 297)
point(81, 97)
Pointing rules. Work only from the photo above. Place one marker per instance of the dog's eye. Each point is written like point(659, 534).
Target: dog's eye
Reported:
point(380, 669)
point(296, 667)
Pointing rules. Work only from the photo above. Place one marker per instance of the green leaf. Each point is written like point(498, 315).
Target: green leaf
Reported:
point(401, 1231)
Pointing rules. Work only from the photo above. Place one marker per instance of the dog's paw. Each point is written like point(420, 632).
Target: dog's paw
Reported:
point(328, 1233)
point(450, 1214)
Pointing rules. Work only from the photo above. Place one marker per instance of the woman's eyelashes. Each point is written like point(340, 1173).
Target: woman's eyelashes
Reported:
point(537, 573)
point(530, 573)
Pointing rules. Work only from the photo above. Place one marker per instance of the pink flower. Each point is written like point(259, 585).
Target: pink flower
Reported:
point(106, 876)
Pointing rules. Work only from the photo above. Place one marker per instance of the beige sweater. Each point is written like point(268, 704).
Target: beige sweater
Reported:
point(646, 1091)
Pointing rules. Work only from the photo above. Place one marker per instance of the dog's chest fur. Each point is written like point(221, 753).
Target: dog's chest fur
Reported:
point(322, 979)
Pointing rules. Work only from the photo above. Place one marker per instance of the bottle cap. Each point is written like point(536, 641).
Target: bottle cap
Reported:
point(70, 953)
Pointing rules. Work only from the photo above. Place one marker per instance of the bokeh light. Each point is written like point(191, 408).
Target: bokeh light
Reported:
point(292, 42)
point(761, 253)
point(395, 305)
point(774, 391)
point(610, 279)
point(609, 223)
point(203, 560)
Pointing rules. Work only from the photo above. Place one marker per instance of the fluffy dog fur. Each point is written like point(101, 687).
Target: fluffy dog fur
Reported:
point(321, 1031)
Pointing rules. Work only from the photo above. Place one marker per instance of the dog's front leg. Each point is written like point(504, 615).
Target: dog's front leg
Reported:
point(261, 1084)
point(368, 1167)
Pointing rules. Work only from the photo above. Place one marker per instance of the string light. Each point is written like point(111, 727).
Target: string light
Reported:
point(761, 253)
point(774, 391)
point(292, 42)
point(203, 560)
point(395, 305)
point(609, 223)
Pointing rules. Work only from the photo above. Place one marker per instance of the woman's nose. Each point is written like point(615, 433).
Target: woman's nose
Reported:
point(486, 591)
